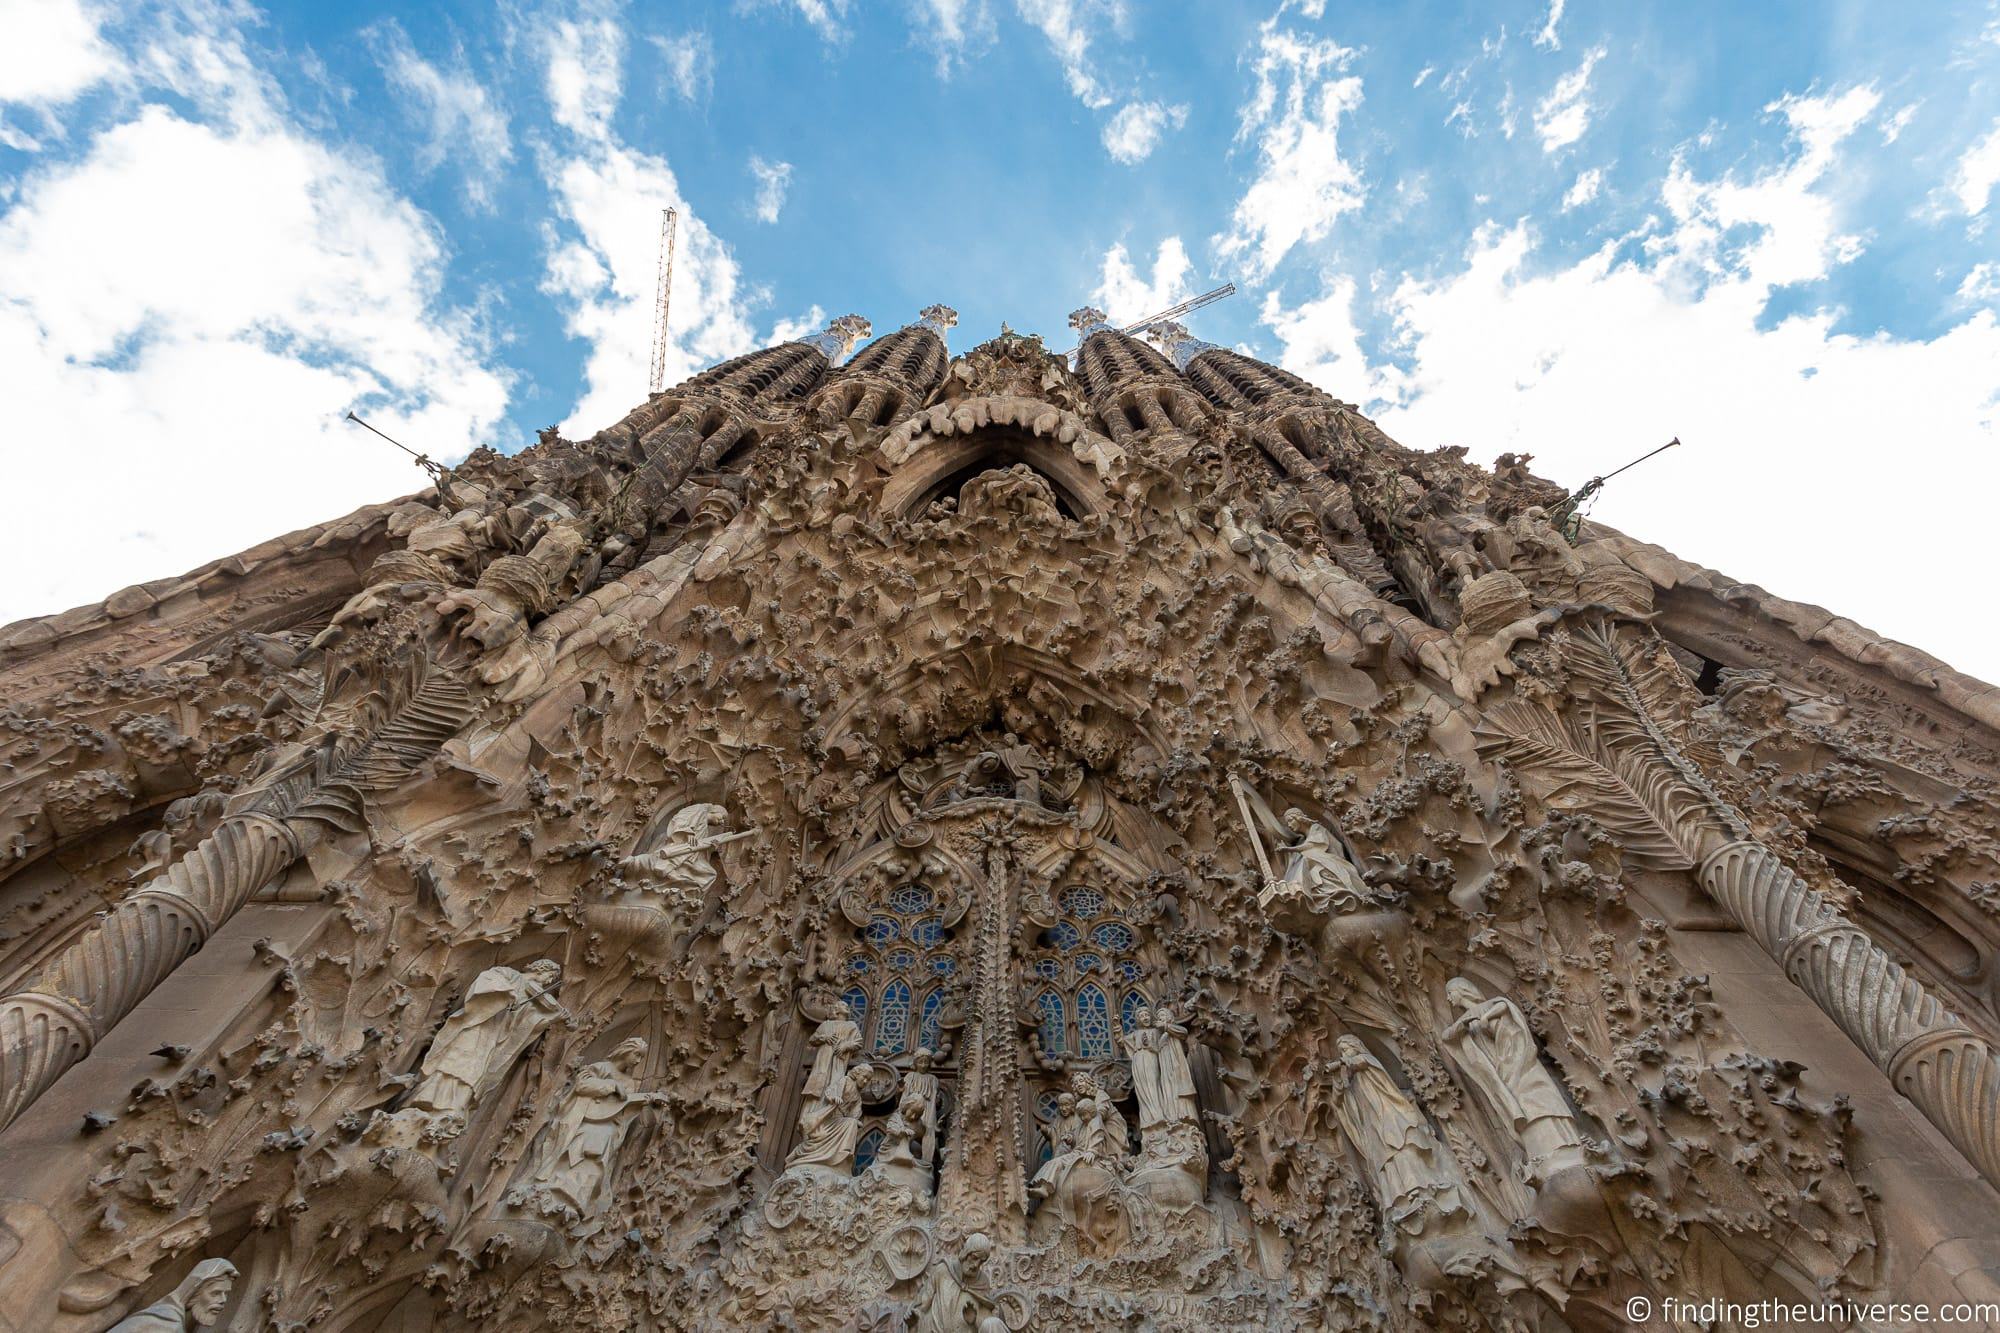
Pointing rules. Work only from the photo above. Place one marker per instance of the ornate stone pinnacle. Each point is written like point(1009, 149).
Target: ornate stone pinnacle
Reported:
point(937, 318)
point(1087, 321)
point(839, 337)
point(1180, 346)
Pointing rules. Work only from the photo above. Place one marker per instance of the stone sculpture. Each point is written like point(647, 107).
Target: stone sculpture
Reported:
point(582, 1154)
point(197, 1302)
point(502, 1015)
point(1004, 662)
point(830, 1120)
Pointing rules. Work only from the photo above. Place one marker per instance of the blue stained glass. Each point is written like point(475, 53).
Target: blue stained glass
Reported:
point(866, 1149)
point(1048, 968)
point(902, 960)
point(1045, 1104)
point(1130, 970)
point(1093, 1024)
point(857, 964)
point(1044, 1150)
point(1065, 936)
point(857, 1005)
point(944, 967)
point(1128, 1011)
point(1050, 1006)
point(1088, 962)
point(1081, 902)
point(881, 930)
point(930, 1029)
point(892, 1024)
point(927, 932)
point(1112, 937)
point(909, 898)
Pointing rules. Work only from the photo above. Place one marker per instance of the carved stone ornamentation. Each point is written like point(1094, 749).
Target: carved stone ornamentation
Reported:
point(986, 839)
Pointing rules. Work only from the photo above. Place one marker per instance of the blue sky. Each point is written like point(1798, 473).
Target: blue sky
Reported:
point(1566, 229)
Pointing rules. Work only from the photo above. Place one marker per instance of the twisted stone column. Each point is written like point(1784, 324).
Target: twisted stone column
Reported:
point(96, 981)
point(1949, 1071)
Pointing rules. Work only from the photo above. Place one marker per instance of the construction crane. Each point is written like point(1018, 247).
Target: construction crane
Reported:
point(669, 223)
point(1187, 307)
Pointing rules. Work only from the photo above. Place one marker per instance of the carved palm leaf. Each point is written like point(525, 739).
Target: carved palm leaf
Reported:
point(1588, 763)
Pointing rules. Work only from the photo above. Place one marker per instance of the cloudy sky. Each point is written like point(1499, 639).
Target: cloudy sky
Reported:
point(1568, 229)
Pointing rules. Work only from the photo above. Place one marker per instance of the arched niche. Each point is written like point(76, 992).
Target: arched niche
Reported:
point(938, 465)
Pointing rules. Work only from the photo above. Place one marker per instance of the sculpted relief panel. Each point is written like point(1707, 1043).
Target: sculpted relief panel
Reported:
point(986, 842)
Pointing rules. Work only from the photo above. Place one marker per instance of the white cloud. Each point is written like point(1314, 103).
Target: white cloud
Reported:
point(1132, 134)
point(1784, 480)
point(1303, 184)
point(688, 62)
point(603, 252)
point(773, 179)
point(1422, 75)
point(1981, 284)
point(1062, 25)
point(951, 28)
point(1547, 38)
point(828, 18)
point(1564, 114)
point(1978, 172)
point(584, 56)
point(1128, 296)
point(52, 52)
point(797, 327)
point(460, 121)
point(190, 374)
point(1892, 128)
point(1585, 189)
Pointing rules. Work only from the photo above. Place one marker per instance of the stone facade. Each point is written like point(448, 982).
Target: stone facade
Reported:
point(981, 842)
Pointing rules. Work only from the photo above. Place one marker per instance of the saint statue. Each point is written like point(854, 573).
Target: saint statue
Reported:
point(196, 1303)
point(1493, 1047)
point(1319, 874)
point(583, 1151)
point(503, 1014)
point(1415, 1180)
point(921, 1083)
point(830, 1122)
point(1161, 1078)
point(1090, 1149)
point(901, 1132)
point(957, 1294)
point(680, 867)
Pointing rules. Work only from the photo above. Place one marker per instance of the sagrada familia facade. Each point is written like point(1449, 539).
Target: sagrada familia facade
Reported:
point(885, 839)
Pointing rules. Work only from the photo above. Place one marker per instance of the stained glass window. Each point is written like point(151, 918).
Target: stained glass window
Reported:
point(1128, 1012)
point(1093, 1024)
point(1112, 937)
point(1050, 1006)
point(909, 899)
point(930, 1032)
point(904, 937)
point(1089, 974)
point(892, 1024)
point(866, 1149)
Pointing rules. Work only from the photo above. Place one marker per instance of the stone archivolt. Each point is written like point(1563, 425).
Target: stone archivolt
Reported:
point(973, 842)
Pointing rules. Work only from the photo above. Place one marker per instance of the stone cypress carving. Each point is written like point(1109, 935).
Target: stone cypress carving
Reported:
point(984, 839)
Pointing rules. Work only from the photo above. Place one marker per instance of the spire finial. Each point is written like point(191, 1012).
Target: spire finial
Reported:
point(937, 318)
point(1180, 346)
point(1088, 320)
point(839, 337)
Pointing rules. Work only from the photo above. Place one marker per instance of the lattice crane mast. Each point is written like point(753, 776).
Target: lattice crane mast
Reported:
point(669, 224)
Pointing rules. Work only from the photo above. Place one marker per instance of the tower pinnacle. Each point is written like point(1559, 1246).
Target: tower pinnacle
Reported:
point(839, 337)
point(1180, 346)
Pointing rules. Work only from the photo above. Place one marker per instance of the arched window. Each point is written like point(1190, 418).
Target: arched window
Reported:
point(896, 972)
point(1089, 971)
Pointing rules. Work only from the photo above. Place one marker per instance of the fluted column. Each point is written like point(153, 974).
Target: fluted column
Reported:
point(95, 982)
point(1949, 1071)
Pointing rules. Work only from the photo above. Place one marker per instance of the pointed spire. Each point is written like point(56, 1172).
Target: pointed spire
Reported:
point(839, 337)
point(1180, 346)
point(1087, 321)
point(938, 319)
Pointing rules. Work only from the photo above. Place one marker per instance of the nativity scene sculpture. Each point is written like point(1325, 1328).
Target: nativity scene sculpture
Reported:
point(887, 836)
